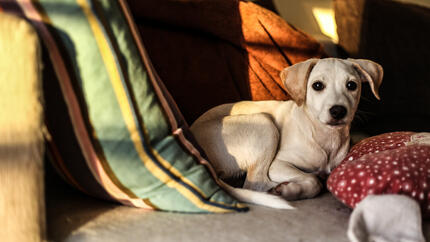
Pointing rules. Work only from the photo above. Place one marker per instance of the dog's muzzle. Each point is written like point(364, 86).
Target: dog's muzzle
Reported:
point(338, 112)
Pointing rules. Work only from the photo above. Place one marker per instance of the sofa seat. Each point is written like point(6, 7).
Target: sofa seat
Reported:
point(73, 216)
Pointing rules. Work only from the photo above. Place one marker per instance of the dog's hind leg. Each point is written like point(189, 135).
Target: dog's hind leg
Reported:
point(240, 143)
point(253, 140)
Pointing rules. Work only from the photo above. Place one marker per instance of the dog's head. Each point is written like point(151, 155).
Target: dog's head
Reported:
point(330, 88)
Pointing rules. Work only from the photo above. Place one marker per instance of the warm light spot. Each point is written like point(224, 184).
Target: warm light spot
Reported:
point(326, 22)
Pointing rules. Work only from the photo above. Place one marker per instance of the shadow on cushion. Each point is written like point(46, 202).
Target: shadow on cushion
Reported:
point(214, 52)
point(395, 35)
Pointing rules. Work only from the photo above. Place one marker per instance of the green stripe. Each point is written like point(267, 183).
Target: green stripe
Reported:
point(103, 109)
point(151, 113)
point(105, 114)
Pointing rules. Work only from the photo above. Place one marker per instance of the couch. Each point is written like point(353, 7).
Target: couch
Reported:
point(74, 216)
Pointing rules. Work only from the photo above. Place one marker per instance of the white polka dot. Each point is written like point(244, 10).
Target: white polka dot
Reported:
point(361, 173)
point(396, 172)
point(355, 195)
point(421, 196)
point(353, 181)
point(351, 158)
point(348, 188)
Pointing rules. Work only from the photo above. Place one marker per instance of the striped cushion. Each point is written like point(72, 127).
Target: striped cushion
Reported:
point(115, 131)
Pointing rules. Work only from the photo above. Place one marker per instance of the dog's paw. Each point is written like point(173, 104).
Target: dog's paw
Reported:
point(297, 190)
point(277, 190)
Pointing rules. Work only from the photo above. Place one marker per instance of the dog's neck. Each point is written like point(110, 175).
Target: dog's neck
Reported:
point(334, 141)
point(331, 139)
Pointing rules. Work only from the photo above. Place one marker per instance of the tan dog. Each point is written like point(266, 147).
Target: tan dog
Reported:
point(286, 144)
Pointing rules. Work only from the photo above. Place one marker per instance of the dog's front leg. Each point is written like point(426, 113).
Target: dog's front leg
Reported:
point(293, 183)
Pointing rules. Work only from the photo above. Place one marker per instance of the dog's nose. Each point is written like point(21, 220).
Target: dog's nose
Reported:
point(338, 112)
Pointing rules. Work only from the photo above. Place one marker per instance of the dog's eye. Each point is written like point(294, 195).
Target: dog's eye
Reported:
point(351, 85)
point(318, 86)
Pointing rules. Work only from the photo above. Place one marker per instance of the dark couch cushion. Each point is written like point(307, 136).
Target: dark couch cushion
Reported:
point(395, 35)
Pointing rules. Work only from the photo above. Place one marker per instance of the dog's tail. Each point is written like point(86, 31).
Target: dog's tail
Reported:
point(255, 197)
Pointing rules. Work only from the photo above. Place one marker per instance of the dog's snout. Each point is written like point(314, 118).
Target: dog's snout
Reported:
point(338, 112)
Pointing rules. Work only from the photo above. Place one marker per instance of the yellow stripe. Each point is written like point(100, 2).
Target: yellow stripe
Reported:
point(124, 104)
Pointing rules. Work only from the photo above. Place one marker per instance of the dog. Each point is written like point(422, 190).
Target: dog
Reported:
point(283, 146)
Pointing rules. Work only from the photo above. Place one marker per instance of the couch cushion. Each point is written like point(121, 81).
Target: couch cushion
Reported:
point(115, 132)
point(22, 203)
point(220, 51)
point(74, 217)
point(394, 34)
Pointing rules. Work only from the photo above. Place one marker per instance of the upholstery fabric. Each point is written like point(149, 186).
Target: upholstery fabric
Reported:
point(115, 132)
point(22, 198)
point(394, 34)
point(214, 52)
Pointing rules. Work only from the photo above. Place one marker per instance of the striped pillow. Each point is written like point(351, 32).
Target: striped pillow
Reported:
point(115, 131)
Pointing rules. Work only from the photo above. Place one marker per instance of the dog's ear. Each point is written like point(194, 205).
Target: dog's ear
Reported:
point(295, 79)
point(372, 73)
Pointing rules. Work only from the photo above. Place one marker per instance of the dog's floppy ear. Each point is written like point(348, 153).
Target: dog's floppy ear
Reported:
point(295, 79)
point(372, 73)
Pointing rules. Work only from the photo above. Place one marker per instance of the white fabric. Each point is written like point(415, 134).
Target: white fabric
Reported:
point(386, 218)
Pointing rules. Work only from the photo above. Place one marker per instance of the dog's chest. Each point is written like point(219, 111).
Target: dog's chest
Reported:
point(311, 153)
point(307, 156)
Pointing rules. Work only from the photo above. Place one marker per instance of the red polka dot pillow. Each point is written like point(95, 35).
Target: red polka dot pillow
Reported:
point(393, 163)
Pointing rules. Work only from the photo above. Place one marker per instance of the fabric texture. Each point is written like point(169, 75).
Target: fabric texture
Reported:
point(392, 163)
point(115, 132)
point(74, 217)
point(22, 198)
point(394, 34)
point(386, 218)
point(221, 51)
